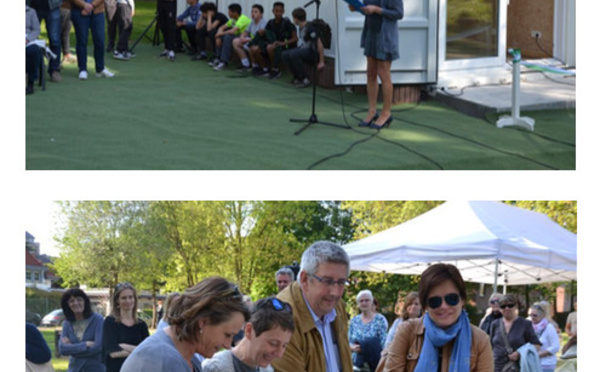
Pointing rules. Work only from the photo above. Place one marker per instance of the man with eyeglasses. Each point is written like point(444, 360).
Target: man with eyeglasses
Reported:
point(320, 340)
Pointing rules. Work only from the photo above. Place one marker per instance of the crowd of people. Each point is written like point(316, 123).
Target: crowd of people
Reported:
point(261, 45)
point(305, 327)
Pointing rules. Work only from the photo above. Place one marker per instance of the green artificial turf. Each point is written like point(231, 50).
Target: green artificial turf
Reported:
point(161, 115)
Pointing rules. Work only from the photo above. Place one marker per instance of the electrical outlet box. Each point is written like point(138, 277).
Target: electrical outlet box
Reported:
point(536, 34)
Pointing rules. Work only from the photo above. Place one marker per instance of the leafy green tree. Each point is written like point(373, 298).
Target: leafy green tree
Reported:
point(95, 245)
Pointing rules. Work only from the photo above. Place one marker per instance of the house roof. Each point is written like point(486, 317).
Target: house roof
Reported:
point(30, 260)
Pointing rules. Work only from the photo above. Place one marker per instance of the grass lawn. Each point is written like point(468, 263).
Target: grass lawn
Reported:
point(161, 115)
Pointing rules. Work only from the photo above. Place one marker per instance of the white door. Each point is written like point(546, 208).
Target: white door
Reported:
point(418, 45)
point(472, 35)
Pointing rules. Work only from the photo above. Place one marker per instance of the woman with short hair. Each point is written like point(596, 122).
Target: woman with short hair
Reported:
point(81, 337)
point(123, 331)
point(547, 335)
point(517, 330)
point(266, 337)
point(367, 332)
point(202, 320)
point(443, 339)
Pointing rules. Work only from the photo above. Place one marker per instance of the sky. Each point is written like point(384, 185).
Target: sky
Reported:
point(42, 225)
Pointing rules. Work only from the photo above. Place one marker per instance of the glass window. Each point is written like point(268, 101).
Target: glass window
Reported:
point(471, 29)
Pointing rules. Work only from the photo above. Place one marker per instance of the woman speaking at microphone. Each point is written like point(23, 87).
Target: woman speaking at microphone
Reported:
point(380, 42)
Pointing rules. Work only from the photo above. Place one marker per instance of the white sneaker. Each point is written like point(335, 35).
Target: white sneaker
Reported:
point(122, 56)
point(83, 75)
point(105, 73)
point(220, 66)
point(171, 55)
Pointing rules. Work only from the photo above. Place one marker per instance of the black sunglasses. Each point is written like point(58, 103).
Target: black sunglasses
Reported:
point(494, 302)
point(510, 306)
point(452, 299)
point(276, 304)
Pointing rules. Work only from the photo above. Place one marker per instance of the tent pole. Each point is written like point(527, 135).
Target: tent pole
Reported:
point(496, 278)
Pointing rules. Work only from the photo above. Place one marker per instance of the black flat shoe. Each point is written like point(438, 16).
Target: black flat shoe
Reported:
point(386, 124)
point(368, 123)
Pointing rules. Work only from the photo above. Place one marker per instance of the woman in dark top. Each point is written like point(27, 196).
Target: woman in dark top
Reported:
point(379, 39)
point(519, 331)
point(122, 330)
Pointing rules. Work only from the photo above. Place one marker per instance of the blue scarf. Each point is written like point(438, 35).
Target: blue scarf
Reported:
point(435, 337)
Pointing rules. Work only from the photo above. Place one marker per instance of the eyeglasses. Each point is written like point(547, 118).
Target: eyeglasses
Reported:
point(533, 315)
point(276, 304)
point(510, 306)
point(452, 299)
point(330, 282)
point(494, 302)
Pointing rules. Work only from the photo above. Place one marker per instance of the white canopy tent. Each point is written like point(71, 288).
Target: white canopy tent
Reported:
point(490, 242)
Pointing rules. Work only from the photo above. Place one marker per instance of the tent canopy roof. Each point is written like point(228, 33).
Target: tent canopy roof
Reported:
point(528, 246)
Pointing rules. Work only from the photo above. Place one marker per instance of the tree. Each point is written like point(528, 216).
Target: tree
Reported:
point(95, 248)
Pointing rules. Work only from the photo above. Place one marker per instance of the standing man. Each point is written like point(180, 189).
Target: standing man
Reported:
point(320, 339)
point(49, 10)
point(167, 15)
point(284, 277)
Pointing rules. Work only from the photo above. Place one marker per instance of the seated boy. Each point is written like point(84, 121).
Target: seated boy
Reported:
point(236, 25)
point(280, 34)
point(188, 20)
point(242, 43)
point(310, 50)
point(207, 26)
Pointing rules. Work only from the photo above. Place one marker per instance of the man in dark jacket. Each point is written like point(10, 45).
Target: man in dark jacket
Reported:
point(486, 323)
point(49, 10)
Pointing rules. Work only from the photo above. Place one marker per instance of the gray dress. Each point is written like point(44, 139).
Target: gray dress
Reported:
point(380, 32)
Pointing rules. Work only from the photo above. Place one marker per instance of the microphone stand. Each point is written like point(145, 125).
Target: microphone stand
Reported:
point(313, 117)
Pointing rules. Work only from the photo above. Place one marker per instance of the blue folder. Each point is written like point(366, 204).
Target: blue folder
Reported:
point(357, 4)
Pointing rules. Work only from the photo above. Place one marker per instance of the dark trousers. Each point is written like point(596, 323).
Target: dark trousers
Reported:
point(83, 25)
point(52, 18)
point(190, 30)
point(110, 9)
point(33, 60)
point(167, 14)
point(296, 58)
point(202, 34)
point(119, 21)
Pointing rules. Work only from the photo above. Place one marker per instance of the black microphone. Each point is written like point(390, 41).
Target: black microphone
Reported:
point(312, 1)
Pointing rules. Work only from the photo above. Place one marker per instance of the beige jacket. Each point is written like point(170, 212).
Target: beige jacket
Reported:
point(403, 352)
point(305, 350)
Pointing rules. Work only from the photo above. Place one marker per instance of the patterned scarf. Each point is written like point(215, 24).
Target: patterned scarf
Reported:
point(436, 337)
point(540, 327)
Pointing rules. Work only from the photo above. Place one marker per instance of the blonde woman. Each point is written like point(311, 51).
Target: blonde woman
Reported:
point(123, 331)
point(411, 309)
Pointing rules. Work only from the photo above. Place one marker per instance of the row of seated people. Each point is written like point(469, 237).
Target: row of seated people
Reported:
point(261, 46)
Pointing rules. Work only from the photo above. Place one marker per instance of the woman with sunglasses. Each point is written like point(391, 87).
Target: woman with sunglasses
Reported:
point(443, 339)
point(201, 320)
point(486, 322)
point(547, 335)
point(516, 330)
point(266, 337)
point(411, 309)
point(81, 337)
point(123, 331)
point(367, 332)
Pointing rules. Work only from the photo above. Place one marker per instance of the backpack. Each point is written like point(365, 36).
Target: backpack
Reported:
point(323, 31)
